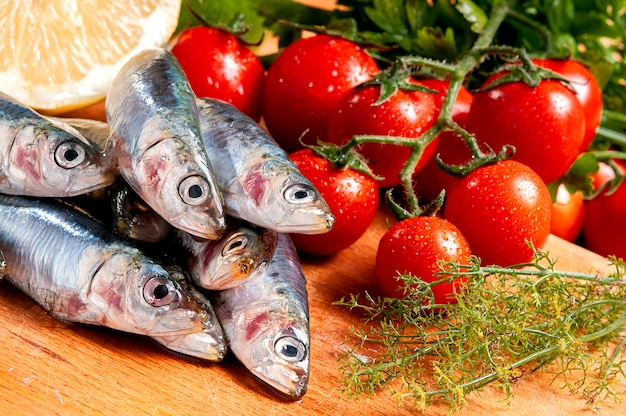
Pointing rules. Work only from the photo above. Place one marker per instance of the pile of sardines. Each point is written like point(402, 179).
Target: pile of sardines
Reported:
point(171, 220)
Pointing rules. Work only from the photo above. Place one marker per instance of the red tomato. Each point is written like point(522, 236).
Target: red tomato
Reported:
point(415, 246)
point(431, 180)
point(219, 65)
point(304, 84)
point(405, 114)
point(546, 124)
point(604, 226)
point(497, 208)
point(568, 211)
point(351, 195)
point(585, 87)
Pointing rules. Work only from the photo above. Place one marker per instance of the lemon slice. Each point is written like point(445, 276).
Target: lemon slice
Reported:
point(60, 55)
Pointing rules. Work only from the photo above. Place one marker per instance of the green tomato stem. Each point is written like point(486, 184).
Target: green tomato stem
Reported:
point(457, 73)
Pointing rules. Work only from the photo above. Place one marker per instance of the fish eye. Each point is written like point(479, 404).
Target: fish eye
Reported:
point(160, 291)
point(235, 244)
point(194, 190)
point(300, 194)
point(69, 155)
point(290, 349)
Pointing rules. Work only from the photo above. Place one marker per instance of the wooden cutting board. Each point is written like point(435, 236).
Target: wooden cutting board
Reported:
point(50, 367)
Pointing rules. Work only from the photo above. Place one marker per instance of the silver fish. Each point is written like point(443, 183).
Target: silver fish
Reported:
point(266, 322)
point(155, 137)
point(257, 179)
point(133, 218)
point(96, 131)
point(46, 158)
point(242, 253)
point(71, 265)
point(194, 344)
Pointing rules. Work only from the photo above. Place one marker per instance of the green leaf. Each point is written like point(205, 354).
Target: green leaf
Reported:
point(389, 15)
point(473, 14)
point(419, 14)
point(559, 14)
point(283, 16)
point(186, 19)
point(434, 43)
point(238, 17)
point(577, 177)
point(593, 23)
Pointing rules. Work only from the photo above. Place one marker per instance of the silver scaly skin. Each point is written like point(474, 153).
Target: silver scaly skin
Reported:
point(97, 132)
point(155, 140)
point(133, 218)
point(46, 158)
point(78, 271)
point(194, 344)
point(243, 253)
point(266, 322)
point(257, 179)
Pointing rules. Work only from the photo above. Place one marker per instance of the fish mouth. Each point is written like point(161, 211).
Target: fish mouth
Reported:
point(211, 232)
point(323, 223)
point(206, 345)
point(290, 383)
point(244, 270)
point(90, 180)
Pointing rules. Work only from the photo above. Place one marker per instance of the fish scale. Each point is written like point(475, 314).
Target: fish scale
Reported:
point(266, 322)
point(258, 181)
point(46, 158)
point(78, 271)
point(155, 141)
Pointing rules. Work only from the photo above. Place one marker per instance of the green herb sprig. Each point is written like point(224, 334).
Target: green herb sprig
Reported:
point(507, 322)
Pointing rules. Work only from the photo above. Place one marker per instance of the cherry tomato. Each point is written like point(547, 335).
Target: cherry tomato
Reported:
point(546, 124)
point(568, 211)
point(586, 88)
point(604, 225)
point(405, 114)
point(351, 195)
point(497, 208)
point(304, 84)
point(219, 65)
point(415, 246)
point(431, 180)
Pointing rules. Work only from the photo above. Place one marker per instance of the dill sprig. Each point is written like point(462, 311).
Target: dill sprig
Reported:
point(507, 322)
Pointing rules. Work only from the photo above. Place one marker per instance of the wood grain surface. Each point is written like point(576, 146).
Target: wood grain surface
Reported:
point(54, 368)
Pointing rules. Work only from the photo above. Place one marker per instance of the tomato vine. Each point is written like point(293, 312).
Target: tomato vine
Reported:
point(559, 316)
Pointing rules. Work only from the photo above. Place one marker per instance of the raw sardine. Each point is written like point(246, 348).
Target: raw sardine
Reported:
point(195, 343)
point(266, 322)
point(242, 253)
point(96, 131)
point(257, 179)
point(133, 218)
point(130, 216)
point(46, 158)
point(71, 265)
point(155, 138)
